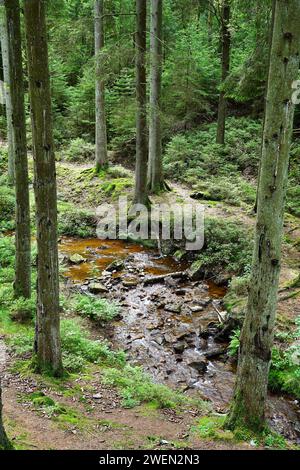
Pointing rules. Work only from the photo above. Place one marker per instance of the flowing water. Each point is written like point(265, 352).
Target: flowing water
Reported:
point(167, 327)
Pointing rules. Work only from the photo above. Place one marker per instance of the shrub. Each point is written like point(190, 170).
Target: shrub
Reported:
point(285, 367)
point(79, 151)
point(137, 387)
point(7, 203)
point(284, 373)
point(7, 252)
point(196, 155)
point(228, 247)
point(96, 309)
point(23, 310)
point(76, 222)
point(77, 347)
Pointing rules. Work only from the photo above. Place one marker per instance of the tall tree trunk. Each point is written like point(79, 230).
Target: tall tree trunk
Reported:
point(22, 285)
point(140, 195)
point(155, 173)
point(48, 348)
point(8, 104)
point(226, 40)
point(4, 442)
point(209, 23)
point(101, 135)
point(248, 406)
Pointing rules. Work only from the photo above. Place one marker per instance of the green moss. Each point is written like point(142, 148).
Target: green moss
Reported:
point(136, 387)
point(211, 427)
point(116, 187)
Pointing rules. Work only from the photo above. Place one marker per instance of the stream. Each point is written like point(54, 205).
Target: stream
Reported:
point(168, 327)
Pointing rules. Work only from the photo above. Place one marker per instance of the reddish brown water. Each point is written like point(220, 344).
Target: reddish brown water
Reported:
point(99, 254)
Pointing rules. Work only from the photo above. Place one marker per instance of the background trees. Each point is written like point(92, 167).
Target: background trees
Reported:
point(101, 137)
point(22, 284)
point(155, 172)
point(225, 40)
point(140, 194)
point(7, 96)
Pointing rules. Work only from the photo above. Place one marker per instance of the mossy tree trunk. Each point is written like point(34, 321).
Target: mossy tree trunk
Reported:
point(155, 172)
point(7, 94)
point(100, 130)
point(140, 195)
point(226, 40)
point(22, 284)
point(248, 407)
point(4, 442)
point(47, 345)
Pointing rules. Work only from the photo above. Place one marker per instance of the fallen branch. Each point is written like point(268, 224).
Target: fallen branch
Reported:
point(221, 316)
point(289, 296)
point(162, 277)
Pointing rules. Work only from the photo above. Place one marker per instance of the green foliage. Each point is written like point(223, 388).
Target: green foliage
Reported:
point(7, 252)
point(211, 427)
point(77, 347)
point(54, 410)
point(284, 373)
point(234, 344)
point(100, 310)
point(136, 387)
point(7, 203)
point(228, 247)
point(196, 155)
point(23, 309)
point(76, 222)
point(285, 370)
point(78, 150)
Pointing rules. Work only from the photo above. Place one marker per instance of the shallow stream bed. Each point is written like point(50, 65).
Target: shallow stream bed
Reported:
point(168, 327)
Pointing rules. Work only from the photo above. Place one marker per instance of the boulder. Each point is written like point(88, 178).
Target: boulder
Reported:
point(195, 271)
point(173, 308)
point(97, 288)
point(77, 259)
point(116, 265)
point(200, 366)
point(130, 281)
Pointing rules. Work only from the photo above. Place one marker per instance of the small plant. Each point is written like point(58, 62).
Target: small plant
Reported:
point(79, 151)
point(23, 310)
point(76, 222)
point(78, 349)
point(7, 203)
point(137, 387)
point(211, 427)
point(234, 344)
point(100, 310)
point(228, 247)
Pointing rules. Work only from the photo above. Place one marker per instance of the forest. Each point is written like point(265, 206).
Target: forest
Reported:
point(149, 225)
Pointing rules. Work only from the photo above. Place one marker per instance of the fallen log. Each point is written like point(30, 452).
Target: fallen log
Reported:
point(162, 277)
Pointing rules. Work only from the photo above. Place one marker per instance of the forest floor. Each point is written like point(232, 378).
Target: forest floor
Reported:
point(94, 417)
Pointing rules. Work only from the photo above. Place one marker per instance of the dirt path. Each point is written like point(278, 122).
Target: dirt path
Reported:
point(104, 423)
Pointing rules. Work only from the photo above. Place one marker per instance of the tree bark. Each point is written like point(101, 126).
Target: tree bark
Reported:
point(140, 196)
point(22, 284)
point(226, 40)
point(101, 134)
point(248, 408)
point(47, 345)
point(155, 172)
point(4, 442)
point(7, 94)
